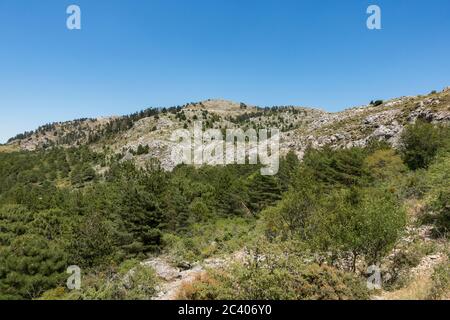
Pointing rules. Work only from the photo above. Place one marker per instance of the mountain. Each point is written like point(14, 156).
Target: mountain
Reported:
point(301, 127)
point(353, 220)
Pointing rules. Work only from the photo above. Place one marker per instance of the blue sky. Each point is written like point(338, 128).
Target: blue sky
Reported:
point(139, 53)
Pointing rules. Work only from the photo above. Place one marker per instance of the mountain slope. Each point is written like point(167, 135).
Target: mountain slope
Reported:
point(300, 127)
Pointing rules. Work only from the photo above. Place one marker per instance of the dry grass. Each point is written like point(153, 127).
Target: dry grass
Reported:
point(431, 283)
point(7, 148)
point(418, 289)
point(192, 290)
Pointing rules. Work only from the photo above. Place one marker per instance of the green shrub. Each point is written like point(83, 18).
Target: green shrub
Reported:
point(421, 142)
point(405, 259)
point(441, 281)
point(206, 239)
point(30, 266)
point(438, 195)
point(361, 223)
point(137, 283)
point(91, 242)
point(413, 184)
point(278, 279)
point(364, 223)
point(385, 165)
point(376, 103)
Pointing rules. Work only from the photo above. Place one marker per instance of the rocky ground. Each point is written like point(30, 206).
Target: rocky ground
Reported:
point(173, 277)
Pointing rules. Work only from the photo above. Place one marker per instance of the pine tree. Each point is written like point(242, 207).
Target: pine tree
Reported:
point(263, 191)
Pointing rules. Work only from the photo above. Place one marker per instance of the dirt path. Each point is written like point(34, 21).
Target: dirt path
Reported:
point(420, 285)
point(173, 278)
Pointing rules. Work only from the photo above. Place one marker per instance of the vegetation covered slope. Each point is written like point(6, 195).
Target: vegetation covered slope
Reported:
point(310, 232)
point(301, 127)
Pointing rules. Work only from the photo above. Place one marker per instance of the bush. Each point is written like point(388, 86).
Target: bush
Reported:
point(414, 184)
point(358, 223)
point(441, 208)
point(291, 216)
point(405, 259)
point(420, 143)
point(142, 150)
point(279, 279)
point(441, 282)
point(131, 282)
point(220, 236)
point(376, 103)
point(30, 266)
point(437, 195)
point(385, 165)
point(91, 241)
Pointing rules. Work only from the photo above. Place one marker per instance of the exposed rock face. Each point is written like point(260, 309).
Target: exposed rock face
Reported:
point(300, 127)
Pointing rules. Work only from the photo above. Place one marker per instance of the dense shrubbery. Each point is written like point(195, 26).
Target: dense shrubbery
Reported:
point(358, 222)
point(129, 281)
point(56, 201)
point(275, 275)
point(437, 194)
point(29, 266)
point(440, 282)
point(61, 207)
point(421, 143)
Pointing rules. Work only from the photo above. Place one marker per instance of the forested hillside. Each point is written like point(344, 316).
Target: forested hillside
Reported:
point(310, 232)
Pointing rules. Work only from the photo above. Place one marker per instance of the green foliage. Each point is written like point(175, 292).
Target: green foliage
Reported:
point(338, 167)
point(29, 266)
point(288, 167)
point(14, 222)
point(376, 103)
point(57, 208)
point(91, 241)
point(264, 191)
point(438, 194)
point(141, 150)
point(82, 174)
point(413, 184)
point(440, 281)
point(224, 235)
point(362, 223)
point(385, 165)
point(50, 224)
point(130, 281)
point(141, 216)
point(292, 215)
point(421, 142)
point(272, 276)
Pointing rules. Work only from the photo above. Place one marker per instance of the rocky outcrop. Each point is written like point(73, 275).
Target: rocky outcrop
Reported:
point(301, 127)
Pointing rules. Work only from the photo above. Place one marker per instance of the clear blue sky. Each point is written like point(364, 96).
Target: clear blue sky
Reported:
point(132, 54)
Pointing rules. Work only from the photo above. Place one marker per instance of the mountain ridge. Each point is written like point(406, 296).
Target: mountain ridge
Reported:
point(300, 127)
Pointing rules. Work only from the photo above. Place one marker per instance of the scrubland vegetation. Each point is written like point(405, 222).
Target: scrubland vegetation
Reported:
point(308, 233)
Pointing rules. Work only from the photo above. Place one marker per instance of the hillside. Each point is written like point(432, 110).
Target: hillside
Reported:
point(301, 127)
point(358, 190)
